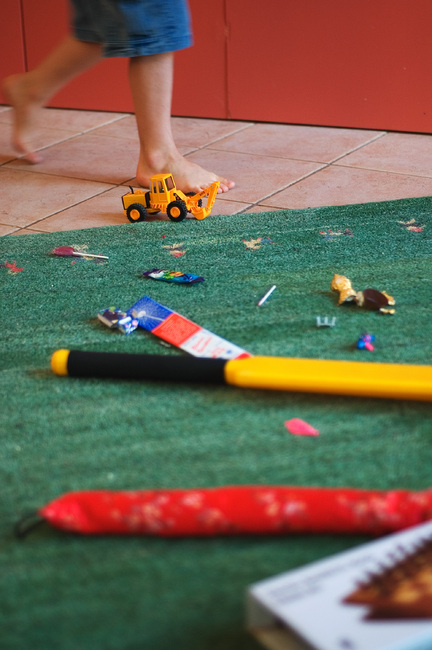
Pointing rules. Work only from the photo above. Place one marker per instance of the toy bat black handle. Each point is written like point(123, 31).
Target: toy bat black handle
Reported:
point(118, 365)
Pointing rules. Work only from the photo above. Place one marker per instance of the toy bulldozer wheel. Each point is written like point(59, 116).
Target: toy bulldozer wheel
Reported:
point(176, 210)
point(136, 212)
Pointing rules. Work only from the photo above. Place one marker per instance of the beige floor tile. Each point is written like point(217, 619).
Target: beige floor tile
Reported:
point(405, 153)
point(88, 157)
point(254, 209)
point(319, 144)
point(256, 176)
point(202, 132)
point(189, 133)
point(275, 166)
point(106, 210)
point(42, 138)
point(51, 126)
point(27, 197)
point(27, 231)
point(6, 230)
point(343, 185)
point(71, 120)
point(225, 206)
point(125, 127)
point(103, 210)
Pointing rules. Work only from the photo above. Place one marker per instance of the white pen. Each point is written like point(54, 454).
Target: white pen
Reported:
point(267, 294)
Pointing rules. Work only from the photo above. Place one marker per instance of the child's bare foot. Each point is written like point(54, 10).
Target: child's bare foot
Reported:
point(17, 92)
point(188, 176)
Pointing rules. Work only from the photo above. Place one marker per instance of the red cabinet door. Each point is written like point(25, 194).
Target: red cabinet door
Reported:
point(200, 71)
point(199, 88)
point(12, 53)
point(356, 63)
point(103, 87)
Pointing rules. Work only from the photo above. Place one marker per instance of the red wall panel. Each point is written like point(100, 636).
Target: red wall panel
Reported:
point(199, 88)
point(356, 63)
point(200, 71)
point(103, 87)
point(12, 54)
point(362, 63)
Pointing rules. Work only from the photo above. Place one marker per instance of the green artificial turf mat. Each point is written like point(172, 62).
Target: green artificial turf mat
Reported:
point(58, 434)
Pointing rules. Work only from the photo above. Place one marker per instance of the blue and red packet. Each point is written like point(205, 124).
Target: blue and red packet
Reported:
point(182, 332)
point(173, 276)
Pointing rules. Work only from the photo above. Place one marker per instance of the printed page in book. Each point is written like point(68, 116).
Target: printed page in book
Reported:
point(378, 595)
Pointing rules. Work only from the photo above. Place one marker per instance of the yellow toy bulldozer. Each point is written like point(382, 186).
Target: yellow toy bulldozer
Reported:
point(165, 197)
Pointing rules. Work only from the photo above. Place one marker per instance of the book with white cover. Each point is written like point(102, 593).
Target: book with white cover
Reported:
point(377, 596)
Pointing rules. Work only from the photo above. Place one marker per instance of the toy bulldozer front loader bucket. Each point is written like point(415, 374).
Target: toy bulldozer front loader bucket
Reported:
point(201, 212)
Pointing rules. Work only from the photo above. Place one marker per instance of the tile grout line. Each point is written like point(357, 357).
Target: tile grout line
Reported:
point(293, 158)
point(193, 148)
point(360, 146)
point(208, 145)
point(48, 216)
point(92, 129)
point(269, 196)
point(327, 165)
point(112, 184)
point(285, 187)
point(222, 137)
point(48, 146)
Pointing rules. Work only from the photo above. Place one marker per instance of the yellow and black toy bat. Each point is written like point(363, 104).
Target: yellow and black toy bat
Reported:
point(356, 378)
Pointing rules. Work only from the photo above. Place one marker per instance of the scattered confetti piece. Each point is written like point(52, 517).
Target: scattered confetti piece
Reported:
point(13, 269)
point(175, 249)
point(255, 244)
point(252, 244)
point(412, 225)
point(300, 428)
point(329, 235)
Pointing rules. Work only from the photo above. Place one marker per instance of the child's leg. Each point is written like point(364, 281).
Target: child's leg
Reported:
point(151, 81)
point(29, 91)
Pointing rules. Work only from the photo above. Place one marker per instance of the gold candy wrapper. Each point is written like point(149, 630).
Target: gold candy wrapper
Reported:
point(371, 299)
point(341, 284)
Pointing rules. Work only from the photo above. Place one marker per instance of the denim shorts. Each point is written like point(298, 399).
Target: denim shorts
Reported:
point(132, 27)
